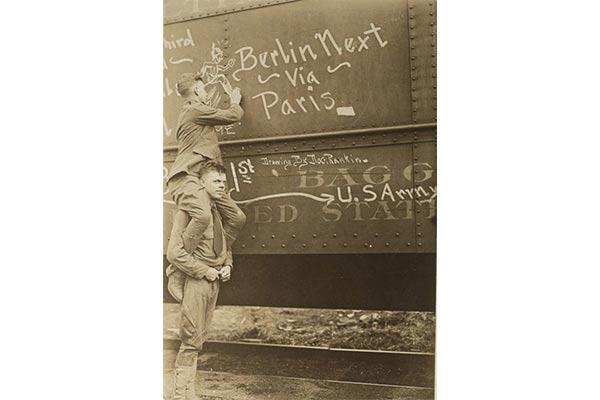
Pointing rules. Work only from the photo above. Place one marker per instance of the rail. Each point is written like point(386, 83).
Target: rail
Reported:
point(415, 369)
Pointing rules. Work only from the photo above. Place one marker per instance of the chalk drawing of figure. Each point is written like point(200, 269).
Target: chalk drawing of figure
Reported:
point(212, 72)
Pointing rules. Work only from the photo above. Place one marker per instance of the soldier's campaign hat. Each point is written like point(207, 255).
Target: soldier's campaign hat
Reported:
point(175, 283)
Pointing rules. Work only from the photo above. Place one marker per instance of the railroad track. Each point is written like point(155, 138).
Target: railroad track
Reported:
point(333, 365)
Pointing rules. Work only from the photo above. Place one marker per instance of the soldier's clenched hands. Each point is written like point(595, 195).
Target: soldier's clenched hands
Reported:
point(225, 273)
point(211, 274)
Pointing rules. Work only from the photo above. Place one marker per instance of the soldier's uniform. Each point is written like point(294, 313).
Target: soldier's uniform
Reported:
point(198, 142)
point(198, 296)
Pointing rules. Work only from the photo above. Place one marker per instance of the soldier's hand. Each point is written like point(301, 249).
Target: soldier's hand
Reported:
point(211, 274)
point(225, 273)
point(236, 96)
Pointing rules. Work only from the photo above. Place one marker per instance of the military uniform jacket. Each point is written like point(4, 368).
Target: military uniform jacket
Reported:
point(197, 137)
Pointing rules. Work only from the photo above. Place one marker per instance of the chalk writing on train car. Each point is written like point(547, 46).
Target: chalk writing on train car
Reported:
point(322, 198)
point(172, 43)
point(333, 211)
point(342, 64)
point(176, 61)
point(367, 194)
point(175, 42)
point(268, 78)
point(325, 44)
point(225, 130)
point(242, 172)
point(326, 39)
point(295, 58)
point(385, 206)
point(167, 88)
point(370, 193)
point(289, 107)
point(304, 78)
point(300, 161)
point(213, 71)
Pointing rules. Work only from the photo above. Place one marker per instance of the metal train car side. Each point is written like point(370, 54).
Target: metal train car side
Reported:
point(334, 161)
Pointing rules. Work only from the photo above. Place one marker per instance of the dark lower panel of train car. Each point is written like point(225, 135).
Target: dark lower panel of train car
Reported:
point(352, 281)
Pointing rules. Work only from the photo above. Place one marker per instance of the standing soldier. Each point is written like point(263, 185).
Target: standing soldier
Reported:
point(205, 225)
point(194, 277)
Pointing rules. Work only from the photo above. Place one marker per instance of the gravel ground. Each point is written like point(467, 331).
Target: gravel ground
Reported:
point(353, 329)
point(223, 386)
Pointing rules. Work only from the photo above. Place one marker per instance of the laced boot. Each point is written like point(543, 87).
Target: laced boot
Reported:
point(185, 383)
point(185, 373)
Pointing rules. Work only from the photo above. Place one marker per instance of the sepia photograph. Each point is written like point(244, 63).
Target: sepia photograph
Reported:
point(266, 225)
point(300, 191)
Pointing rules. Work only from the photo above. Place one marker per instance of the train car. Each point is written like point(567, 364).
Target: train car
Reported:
point(334, 161)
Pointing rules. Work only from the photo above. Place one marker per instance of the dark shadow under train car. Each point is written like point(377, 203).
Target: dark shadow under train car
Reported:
point(403, 282)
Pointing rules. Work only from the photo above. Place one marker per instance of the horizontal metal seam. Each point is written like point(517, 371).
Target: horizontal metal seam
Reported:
point(169, 21)
point(318, 135)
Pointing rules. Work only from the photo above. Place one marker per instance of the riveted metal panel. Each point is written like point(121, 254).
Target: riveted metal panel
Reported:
point(182, 10)
point(356, 140)
point(324, 141)
point(422, 33)
point(327, 141)
point(394, 83)
point(313, 66)
point(343, 200)
point(425, 175)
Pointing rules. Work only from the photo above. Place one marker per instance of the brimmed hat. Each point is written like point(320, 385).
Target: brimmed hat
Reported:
point(175, 283)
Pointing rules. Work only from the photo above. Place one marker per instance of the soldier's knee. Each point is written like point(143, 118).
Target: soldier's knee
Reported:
point(197, 225)
point(187, 355)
